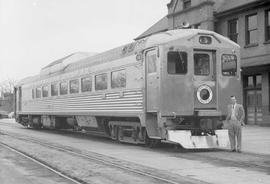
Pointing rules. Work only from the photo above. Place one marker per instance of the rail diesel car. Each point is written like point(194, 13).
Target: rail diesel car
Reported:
point(173, 86)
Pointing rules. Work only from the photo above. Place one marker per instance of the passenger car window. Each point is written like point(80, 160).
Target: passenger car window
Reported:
point(201, 64)
point(54, 90)
point(38, 92)
point(229, 64)
point(63, 88)
point(45, 91)
point(101, 81)
point(33, 93)
point(86, 84)
point(177, 62)
point(118, 79)
point(74, 86)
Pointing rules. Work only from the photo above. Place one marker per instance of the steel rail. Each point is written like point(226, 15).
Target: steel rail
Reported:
point(104, 161)
point(41, 163)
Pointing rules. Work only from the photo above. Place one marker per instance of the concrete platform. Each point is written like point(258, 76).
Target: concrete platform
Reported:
point(256, 139)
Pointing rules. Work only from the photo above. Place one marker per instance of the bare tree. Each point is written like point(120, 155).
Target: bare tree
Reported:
point(7, 86)
point(6, 95)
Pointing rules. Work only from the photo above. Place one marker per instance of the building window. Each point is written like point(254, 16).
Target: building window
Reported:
point(63, 88)
point(38, 92)
point(74, 86)
point(251, 29)
point(250, 81)
point(86, 84)
point(54, 90)
point(233, 30)
point(177, 62)
point(118, 79)
point(253, 81)
point(186, 4)
point(101, 81)
point(258, 81)
point(45, 91)
point(267, 25)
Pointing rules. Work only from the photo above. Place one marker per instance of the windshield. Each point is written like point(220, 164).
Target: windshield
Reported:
point(229, 64)
point(201, 64)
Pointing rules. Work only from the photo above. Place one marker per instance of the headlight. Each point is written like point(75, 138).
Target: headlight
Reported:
point(204, 94)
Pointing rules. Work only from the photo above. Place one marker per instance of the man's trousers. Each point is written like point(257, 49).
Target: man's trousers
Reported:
point(235, 132)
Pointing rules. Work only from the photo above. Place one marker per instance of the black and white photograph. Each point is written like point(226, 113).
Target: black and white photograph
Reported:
point(134, 92)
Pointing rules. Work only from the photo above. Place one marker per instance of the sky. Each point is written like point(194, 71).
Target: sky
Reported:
point(34, 33)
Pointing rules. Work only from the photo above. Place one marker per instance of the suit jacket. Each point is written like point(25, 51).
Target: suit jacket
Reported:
point(239, 112)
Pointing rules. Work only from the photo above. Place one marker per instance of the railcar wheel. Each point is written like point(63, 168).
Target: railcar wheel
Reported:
point(153, 143)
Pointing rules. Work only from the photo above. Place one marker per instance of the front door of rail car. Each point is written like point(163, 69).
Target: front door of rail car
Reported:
point(152, 80)
point(204, 63)
point(176, 82)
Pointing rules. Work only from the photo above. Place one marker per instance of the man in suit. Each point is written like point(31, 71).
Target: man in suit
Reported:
point(235, 119)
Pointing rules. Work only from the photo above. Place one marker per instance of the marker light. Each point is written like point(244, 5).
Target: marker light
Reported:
point(205, 40)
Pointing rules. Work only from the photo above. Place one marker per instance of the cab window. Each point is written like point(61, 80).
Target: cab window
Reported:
point(201, 64)
point(177, 62)
point(229, 64)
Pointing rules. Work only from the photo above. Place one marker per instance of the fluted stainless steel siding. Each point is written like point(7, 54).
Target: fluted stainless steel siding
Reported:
point(130, 101)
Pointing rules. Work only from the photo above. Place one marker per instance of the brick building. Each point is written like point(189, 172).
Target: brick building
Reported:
point(246, 22)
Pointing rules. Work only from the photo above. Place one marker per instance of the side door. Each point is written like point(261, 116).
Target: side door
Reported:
point(19, 98)
point(152, 80)
point(176, 82)
point(205, 79)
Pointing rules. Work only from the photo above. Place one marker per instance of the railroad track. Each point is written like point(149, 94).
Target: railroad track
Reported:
point(42, 164)
point(201, 156)
point(159, 176)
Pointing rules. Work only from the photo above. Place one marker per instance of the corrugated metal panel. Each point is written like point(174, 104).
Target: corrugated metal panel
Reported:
point(130, 101)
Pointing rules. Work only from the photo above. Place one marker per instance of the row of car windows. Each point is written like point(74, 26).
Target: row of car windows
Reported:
point(177, 63)
point(118, 80)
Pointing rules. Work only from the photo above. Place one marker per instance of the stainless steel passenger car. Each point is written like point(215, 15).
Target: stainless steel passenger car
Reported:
point(173, 86)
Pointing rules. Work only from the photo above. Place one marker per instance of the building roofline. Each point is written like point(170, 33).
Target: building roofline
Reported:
point(245, 7)
point(144, 36)
point(210, 2)
point(160, 26)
